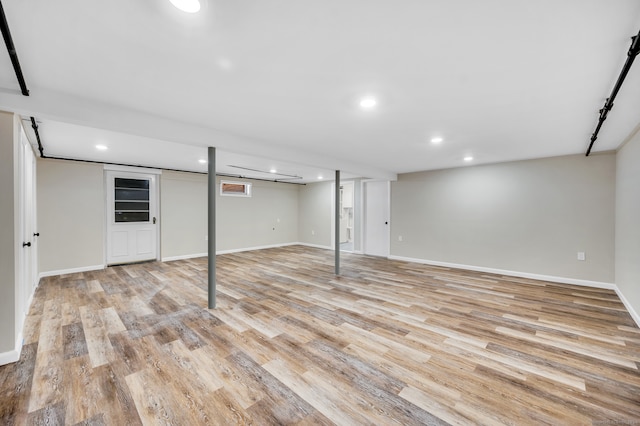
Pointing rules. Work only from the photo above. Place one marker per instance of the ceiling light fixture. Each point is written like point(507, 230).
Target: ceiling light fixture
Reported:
point(201, 161)
point(189, 6)
point(368, 102)
point(102, 147)
point(468, 158)
point(273, 171)
point(436, 140)
point(320, 178)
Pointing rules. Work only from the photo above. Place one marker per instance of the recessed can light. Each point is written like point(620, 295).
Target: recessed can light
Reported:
point(102, 147)
point(189, 6)
point(273, 171)
point(368, 102)
point(320, 178)
point(436, 140)
point(468, 158)
point(201, 161)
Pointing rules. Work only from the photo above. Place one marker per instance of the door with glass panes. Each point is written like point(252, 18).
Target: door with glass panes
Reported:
point(132, 218)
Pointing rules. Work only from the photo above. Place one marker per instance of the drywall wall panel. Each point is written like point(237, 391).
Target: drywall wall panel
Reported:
point(7, 234)
point(315, 213)
point(627, 266)
point(527, 216)
point(71, 215)
point(183, 214)
point(269, 217)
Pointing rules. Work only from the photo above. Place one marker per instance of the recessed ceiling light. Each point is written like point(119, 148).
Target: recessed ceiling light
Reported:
point(189, 6)
point(319, 177)
point(273, 171)
point(102, 147)
point(201, 161)
point(436, 140)
point(368, 102)
point(468, 158)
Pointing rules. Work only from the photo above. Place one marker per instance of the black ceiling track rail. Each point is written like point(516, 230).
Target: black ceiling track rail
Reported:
point(34, 126)
point(631, 56)
point(170, 170)
point(11, 48)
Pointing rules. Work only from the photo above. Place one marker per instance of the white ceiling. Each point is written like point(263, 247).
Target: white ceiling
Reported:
point(276, 83)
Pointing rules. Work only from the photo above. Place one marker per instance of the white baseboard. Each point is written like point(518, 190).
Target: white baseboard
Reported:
point(13, 355)
point(627, 305)
point(183, 257)
point(70, 271)
point(315, 246)
point(551, 278)
point(255, 248)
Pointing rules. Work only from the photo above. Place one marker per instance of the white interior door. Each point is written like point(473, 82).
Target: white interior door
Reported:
point(28, 255)
point(132, 217)
point(376, 218)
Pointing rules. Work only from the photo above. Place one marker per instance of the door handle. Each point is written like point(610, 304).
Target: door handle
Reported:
point(37, 234)
point(386, 223)
point(27, 244)
point(154, 220)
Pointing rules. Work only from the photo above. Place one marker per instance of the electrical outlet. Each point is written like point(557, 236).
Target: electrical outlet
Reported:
point(399, 237)
point(581, 255)
point(313, 232)
point(278, 220)
point(206, 238)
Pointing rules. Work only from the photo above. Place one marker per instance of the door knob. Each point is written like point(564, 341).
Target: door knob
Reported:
point(27, 244)
point(154, 220)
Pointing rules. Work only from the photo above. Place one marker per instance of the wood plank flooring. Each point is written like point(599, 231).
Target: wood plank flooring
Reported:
point(386, 343)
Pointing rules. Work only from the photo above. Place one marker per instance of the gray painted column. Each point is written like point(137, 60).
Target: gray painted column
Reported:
point(337, 223)
point(211, 223)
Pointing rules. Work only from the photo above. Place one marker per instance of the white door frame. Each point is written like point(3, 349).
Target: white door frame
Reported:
point(363, 215)
point(131, 172)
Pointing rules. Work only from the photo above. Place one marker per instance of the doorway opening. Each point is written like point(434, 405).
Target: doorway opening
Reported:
point(347, 216)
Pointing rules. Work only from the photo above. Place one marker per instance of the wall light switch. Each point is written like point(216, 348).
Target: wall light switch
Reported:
point(313, 232)
point(581, 255)
point(399, 237)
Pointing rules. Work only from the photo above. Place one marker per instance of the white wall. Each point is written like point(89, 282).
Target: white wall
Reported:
point(526, 216)
point(315, 214)
point(269, 217)
point(7, 234)
point(627, 265)
point(71, 215)
point(183, 214)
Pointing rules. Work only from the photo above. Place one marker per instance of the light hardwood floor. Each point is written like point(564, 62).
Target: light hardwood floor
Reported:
point(386, 343)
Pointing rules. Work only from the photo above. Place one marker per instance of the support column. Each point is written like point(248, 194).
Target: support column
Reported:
point(337, 223)
point(211, 223)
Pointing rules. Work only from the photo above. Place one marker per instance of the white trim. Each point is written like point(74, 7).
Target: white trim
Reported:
point(183, 257)
point(551, 278)
point(255, 248)
point(70, 271)
point(627, 305)
point(130, 169)
point(315, 246)
point(13, 355)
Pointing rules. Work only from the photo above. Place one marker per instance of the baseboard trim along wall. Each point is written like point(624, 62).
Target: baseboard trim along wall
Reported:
point(255, 248)
point(183, 257)
point(13, 355)
point(193, 256)
point(315, 246)
point(550, 278)
point(627, 305)
point(70, 271)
